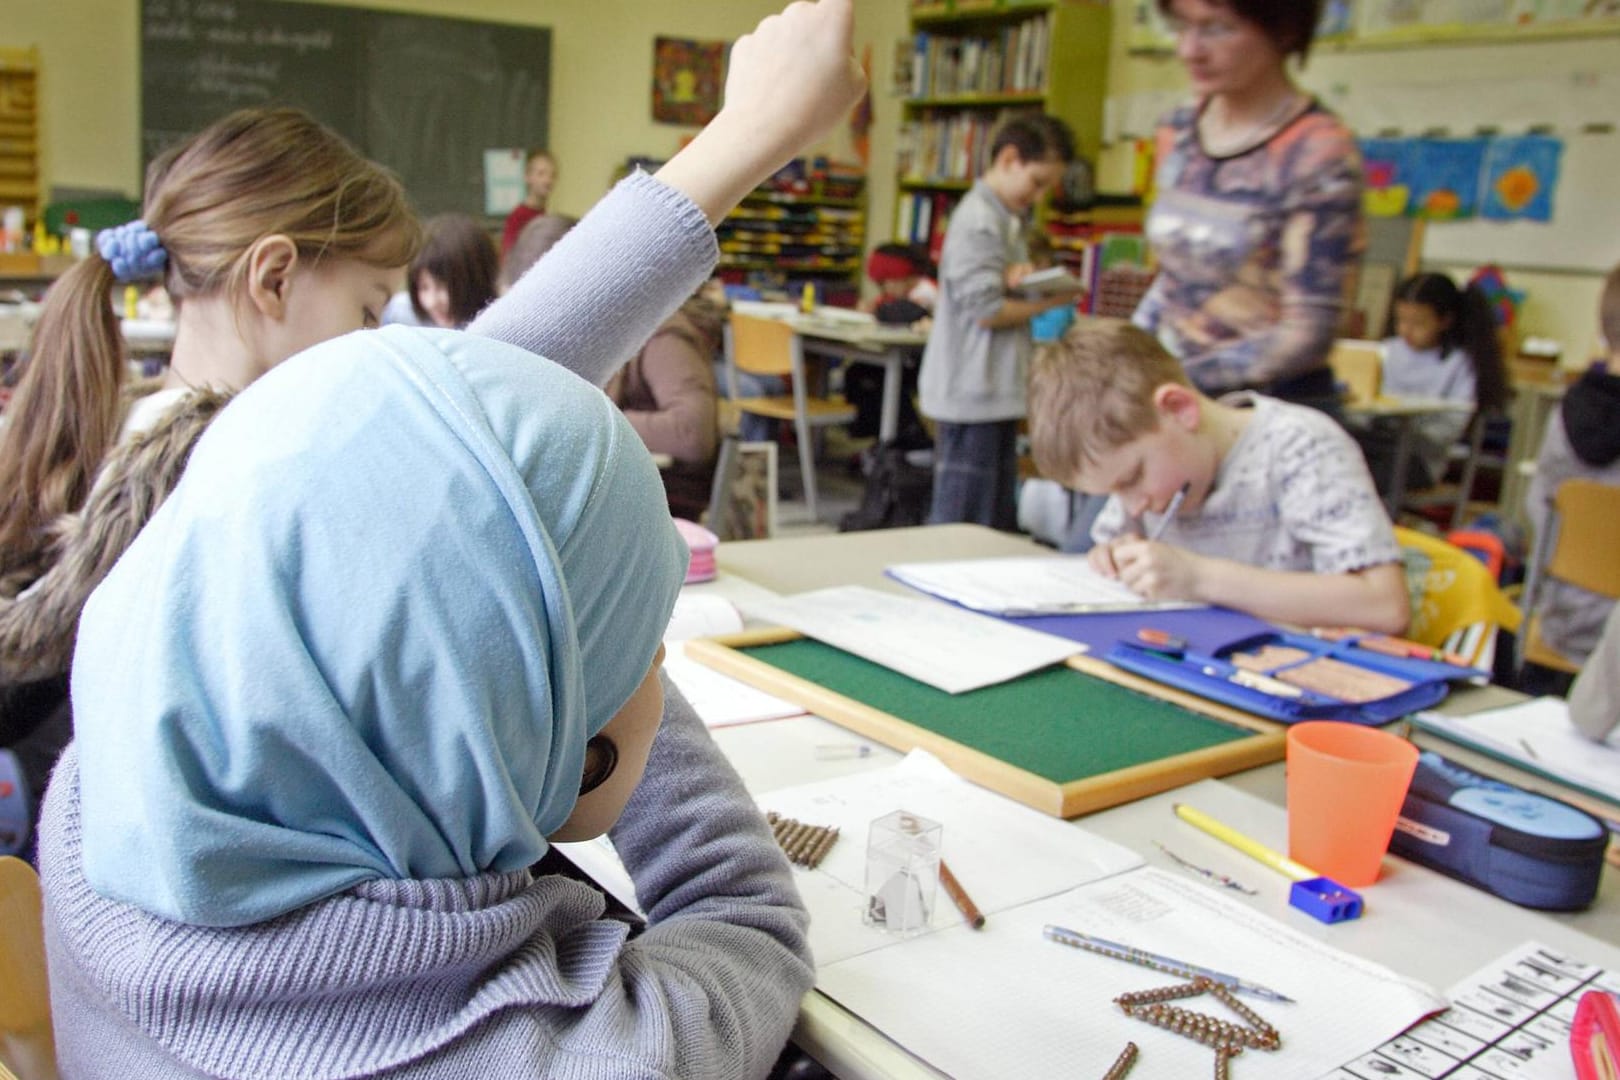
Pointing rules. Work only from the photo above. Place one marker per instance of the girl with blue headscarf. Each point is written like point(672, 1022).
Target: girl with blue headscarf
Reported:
point(396, 629)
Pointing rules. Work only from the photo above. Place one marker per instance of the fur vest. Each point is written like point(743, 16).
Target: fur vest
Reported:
point(39, 619)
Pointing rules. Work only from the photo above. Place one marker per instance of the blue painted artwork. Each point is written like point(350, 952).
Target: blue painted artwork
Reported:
point(1521, 174)
point(1387, 167)
point(1445, 178)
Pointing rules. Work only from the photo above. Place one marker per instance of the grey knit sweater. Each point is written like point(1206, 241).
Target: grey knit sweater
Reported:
point(495, 976)
point(499, 975)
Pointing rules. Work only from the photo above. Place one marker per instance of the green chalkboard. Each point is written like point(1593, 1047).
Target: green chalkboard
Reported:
point(425, 96)
point(1062, 740)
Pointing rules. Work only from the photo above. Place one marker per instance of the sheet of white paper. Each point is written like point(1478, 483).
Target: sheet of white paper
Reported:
point(944, 647)
point(1003, 853)
point(1511, 1018)
point(1026, 585)
point(1556, 747)
point(1004, 1001)
point(719, 699)
point(702, 615)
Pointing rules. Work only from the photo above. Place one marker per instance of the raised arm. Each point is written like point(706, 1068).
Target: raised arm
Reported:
point(612, 281)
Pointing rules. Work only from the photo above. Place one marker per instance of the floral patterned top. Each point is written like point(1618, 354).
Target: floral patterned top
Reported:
point(1255, 249)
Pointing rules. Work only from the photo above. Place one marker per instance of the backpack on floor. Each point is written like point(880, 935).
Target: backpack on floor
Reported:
point(897, 493)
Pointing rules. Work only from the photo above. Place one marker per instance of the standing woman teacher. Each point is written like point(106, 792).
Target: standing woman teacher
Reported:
point(1257, 219)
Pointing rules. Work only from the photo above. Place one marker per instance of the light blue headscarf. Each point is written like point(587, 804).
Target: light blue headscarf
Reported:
point(406, 575)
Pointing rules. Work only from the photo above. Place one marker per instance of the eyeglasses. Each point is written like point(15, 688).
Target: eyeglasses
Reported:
point(1213, 32)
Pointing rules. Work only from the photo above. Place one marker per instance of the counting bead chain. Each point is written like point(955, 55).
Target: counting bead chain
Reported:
point(805, 845)
point(1224, 1037)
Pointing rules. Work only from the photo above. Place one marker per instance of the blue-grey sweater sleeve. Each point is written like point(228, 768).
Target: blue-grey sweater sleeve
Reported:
point(725, 952)
point(595, 298)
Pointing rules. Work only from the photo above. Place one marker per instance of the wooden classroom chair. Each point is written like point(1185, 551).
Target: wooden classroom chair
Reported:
point(771, 347)
point(1359, 367)
point(1580, 549)
point(27, 1045)
point(1456, 603)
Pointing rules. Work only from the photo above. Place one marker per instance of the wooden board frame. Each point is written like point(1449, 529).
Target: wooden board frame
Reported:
point(1064, 800)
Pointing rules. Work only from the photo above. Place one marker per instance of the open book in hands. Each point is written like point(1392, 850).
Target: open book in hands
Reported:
point(1052, 281)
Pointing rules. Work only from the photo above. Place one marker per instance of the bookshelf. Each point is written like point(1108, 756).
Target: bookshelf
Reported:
point(806, 225)
point(975, 62)
point(19, 130)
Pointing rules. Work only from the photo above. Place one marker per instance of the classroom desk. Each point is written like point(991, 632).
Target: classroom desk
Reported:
point(1418, 923)
point(843, 335)
point(1404, 412)
point(887, 347)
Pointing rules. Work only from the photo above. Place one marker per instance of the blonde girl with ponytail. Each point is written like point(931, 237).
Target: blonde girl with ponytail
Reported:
point(272, 234)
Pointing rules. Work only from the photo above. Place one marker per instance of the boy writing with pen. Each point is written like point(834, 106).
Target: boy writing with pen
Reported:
point(1246, 502)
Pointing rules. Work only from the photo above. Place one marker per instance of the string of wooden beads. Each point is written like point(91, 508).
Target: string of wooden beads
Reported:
point(1224, 1037)
point(805, 845)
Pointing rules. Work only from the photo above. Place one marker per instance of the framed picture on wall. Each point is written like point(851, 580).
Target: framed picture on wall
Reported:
point(687, 78)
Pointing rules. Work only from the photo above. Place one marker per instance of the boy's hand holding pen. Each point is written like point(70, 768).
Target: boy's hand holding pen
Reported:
point(1154, 570)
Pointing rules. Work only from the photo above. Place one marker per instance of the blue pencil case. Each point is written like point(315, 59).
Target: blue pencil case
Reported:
point(1526, 848)
point(1294, 677)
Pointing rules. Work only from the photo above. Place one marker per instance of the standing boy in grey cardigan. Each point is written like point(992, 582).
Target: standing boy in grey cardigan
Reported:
point(977, 359)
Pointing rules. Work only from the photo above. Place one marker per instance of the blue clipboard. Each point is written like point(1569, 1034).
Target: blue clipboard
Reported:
point(1212, 674)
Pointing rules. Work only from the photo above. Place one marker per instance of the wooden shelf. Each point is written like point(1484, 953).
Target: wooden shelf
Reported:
point(978, 101)
point(826, 232)
point(1060, 47)
point(19, 129)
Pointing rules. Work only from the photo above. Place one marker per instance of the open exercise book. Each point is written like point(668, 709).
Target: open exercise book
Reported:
point(1026, 585)
point(1538, 736)
point(1004, 1001)
point(719, 699)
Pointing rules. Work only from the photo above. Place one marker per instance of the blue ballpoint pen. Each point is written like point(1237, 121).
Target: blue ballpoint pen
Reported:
point(1130, 954)
point(1170, 511)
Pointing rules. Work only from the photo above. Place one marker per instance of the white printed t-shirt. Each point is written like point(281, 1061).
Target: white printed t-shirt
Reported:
point(1293, 493)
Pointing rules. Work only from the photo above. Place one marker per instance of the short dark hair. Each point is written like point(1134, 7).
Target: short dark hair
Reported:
point(459, 253)
point(1036, 137)
point(537, 152)
point(1290, 24)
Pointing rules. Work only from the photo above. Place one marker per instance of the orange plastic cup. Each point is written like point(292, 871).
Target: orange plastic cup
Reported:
point(1346, 783)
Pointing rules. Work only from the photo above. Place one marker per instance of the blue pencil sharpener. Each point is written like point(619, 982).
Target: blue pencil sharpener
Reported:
point(1325, 900)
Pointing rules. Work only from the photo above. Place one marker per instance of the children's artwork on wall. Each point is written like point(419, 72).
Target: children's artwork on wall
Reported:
point(1387, 166)
point(687, 80)
point(1445, 178)
point(1338, 19)
point(1519, 178)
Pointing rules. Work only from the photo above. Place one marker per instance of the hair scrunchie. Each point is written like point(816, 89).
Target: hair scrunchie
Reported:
point(133, 250)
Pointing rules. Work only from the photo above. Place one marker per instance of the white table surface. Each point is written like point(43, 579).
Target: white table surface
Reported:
point(1418, 922)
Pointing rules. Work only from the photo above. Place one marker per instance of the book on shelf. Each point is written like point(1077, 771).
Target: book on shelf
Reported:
point(1009, 61)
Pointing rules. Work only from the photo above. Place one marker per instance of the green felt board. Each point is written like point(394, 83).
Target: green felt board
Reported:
point(1059, 724)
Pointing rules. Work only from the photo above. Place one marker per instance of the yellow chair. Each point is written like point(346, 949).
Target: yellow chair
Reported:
point(1580, 549)
point(1359, 365)
point(771, 347)
point(1456, 603)
point(27, 1045)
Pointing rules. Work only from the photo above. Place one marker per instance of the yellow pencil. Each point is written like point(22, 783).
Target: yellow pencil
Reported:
point(1252, 848)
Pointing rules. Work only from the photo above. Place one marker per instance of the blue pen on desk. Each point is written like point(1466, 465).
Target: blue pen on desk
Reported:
point(1132, 955)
